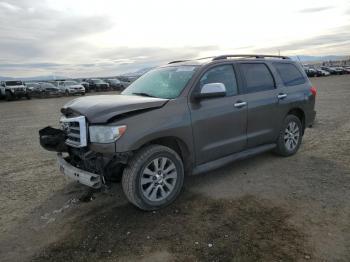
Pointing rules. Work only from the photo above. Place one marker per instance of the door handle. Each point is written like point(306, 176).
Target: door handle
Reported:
point(240, 104)
point(281, 96)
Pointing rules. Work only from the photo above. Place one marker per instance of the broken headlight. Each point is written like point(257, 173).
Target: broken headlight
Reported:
point(106, 134)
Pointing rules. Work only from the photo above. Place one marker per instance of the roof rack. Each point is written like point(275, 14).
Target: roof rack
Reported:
point(249, 56)
point(177, 61)
point(214, 58)
point(180, 61)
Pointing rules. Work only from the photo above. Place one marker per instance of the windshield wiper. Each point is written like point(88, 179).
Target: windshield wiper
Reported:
point(143, 94)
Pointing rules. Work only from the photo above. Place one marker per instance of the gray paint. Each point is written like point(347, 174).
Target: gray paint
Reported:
point(211, 129)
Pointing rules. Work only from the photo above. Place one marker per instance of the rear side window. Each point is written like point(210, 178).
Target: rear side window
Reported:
point(258, 77)
point(289, 74)
point(221, 74)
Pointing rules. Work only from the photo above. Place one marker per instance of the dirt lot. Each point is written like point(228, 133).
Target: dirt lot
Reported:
point(266, 208)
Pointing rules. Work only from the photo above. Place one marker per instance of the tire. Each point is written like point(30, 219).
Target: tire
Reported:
point(290, 136)
point(139, 167)
point(66, 93)
point(8, 96)
point(28, 96)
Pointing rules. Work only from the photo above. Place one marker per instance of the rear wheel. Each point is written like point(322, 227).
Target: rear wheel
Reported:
point(154, 177)
point(290, 136)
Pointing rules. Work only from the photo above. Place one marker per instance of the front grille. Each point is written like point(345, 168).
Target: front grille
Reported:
point(76, 130)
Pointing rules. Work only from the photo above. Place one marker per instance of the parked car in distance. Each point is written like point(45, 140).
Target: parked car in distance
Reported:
point(44, 89)
point(13, 89)
point(346, 70)
point(310, 72)
point(115, 84)
point(70, 87)
point(341, 70)
point(98, 85)
point(321, 72)
point(186, 117)
point(124, 80)
point(333, 70)
point(49, 89)
point(84, 83)
point(33, 88)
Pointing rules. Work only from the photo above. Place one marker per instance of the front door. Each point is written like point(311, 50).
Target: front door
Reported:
point(219, 124)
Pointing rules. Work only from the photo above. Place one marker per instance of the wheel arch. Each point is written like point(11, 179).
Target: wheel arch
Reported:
point(298, 112)
point(178, 145)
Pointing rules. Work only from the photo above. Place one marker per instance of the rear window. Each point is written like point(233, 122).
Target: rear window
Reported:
point(258, 77)
point(289, 74)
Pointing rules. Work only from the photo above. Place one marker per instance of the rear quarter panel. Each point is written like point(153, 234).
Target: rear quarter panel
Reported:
point(298, 97)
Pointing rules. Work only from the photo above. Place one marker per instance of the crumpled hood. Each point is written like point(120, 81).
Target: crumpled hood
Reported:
point(100, 109)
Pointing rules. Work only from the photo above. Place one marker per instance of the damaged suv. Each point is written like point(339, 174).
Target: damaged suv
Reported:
point(186, 117)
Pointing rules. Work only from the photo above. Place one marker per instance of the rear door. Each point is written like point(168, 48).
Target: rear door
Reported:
point(219, 124)
point(261, 97)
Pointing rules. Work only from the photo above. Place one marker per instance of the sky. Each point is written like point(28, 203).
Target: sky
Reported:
point(81, 38)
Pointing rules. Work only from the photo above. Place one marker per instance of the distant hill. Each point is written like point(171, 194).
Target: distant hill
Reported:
point(2, 78)
point(34, 78)
point(138, 72)
point(305, 58)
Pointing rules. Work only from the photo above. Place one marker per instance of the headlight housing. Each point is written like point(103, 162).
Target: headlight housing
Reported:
point(106, 134)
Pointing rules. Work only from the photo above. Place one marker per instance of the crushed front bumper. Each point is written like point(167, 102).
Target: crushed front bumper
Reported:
point(79, 175)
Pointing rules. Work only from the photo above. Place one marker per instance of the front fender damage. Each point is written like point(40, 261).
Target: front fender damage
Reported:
point(108, 167)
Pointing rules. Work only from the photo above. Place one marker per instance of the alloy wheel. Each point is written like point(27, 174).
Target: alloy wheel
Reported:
point(291, 135)
point(158, 179)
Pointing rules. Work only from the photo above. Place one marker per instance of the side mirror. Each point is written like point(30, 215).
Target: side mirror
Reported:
point(212, 90)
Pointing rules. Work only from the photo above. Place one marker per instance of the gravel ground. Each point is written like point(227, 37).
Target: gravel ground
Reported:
point(266, 208)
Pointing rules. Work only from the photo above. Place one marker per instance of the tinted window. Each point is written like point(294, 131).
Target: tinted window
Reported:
point(258, 77)
point(289, 74)
point(221, 74)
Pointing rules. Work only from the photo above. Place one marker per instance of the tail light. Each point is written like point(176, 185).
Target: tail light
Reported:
point(313, 90)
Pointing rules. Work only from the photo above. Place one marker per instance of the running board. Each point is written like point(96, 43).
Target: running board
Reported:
point(231, 158)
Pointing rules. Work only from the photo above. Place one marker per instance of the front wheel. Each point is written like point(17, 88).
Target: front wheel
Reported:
point(153, 178)
point(8, 95)
point(290, 136)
